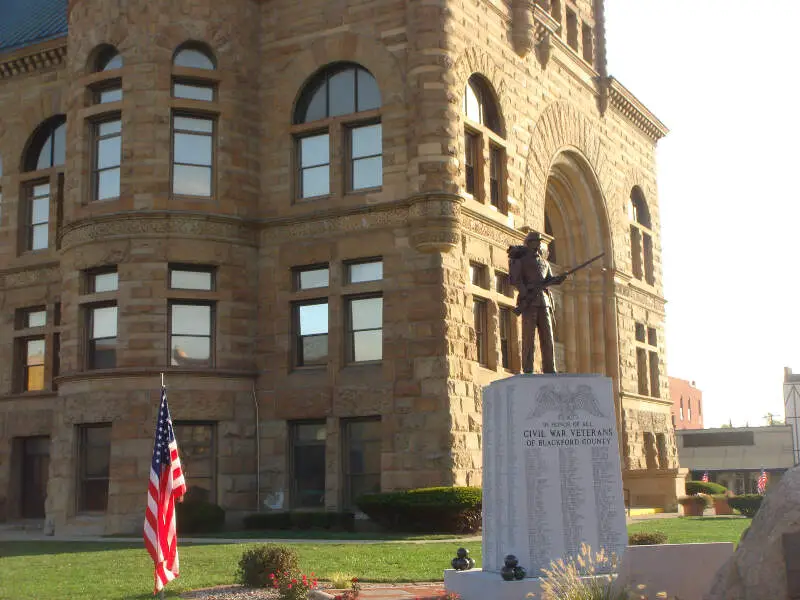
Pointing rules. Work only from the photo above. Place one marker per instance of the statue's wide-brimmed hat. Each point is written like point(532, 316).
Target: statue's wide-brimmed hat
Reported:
point(534, 236)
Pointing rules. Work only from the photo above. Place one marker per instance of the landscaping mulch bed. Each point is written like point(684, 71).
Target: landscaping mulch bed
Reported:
point(238, 592)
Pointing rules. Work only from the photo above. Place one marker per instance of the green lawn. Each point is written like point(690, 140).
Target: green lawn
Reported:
point(119, 570)
point(323, 534)
point(687, 530)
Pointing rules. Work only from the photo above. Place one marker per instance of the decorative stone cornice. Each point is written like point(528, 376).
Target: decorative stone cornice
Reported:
point(29, 275)
point(632, 109)
point(31, 59)
point(435, 220)
point(639, 297)
point(475, 223)
point(158, 223)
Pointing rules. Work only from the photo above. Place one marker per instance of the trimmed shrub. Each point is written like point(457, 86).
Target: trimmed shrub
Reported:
point(337, 521)
point(258, 563)
point(747, 504)
point(432, 510)
point(647, 538)
point(704, 487)
point(199, 517)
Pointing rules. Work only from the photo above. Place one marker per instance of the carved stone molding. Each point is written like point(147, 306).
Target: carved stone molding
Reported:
point(435, 221)
point(624, 102)
point(21, 63)
point(644, 299)
point(190, 225)
point(561, 127)
point(390, 215)
point(30, 276)
point(500, 235)
point(545, 28)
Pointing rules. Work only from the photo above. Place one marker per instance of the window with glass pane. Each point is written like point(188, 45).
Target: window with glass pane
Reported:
point(365, 271)
point(472, 103)
point(109, 59)
point(198, 459)
point(107, 157)
point(478, 275)
point(308, 464)
point(39, 219)
point(33, 376)
point(94, 443)
point(193, 58)
point(108, 94)
point(495, 175)
point(311, 278)
point(315, 172)
point(192, 155)
point(340, 90)
point(365, 329)
point(502, 284)
point(362, 458)
point(311, 323)
point(190, 335)
point(193, 91)
point(191, 279)
point(470, 160)
point(50, 148)
point(366, 156)
point(35, 318)
point(505, 337)
point(479, 319)
point(102, 337)
point(106, 281)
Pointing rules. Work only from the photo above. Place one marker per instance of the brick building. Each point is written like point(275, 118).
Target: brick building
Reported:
point(299, 212)
point(687, 404)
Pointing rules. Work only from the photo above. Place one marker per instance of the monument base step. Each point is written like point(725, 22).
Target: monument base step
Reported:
point(477, 584)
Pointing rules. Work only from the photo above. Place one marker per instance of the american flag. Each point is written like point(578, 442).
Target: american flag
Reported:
point(762, 482)
point(166, 486)
point(705, 477)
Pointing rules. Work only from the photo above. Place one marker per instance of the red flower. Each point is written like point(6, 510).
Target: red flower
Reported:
point(294, 580)
point(355, 580)
point(289, 586)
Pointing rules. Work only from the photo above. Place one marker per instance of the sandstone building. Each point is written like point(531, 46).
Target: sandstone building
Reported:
point(299, 212)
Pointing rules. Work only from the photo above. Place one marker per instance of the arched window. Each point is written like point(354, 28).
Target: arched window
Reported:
point(193, 132)
point(46, 148)
point(43, 177)
point(641, 237)
point(194, 55)
point(484, 146)
point(108, 59)
point(339, 107)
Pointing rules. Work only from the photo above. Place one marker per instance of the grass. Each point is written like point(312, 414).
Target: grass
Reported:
point(121, 570)
point(115, 571)
point(688, 530)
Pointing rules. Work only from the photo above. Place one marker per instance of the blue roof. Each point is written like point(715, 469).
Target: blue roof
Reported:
point(26, 22)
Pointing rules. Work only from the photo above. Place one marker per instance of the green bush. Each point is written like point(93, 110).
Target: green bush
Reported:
point(647, 538)
point(258, 563)
point(747, 504)
point(199, 517)
point(337, 521)
point(432, 510)
point(704, 487)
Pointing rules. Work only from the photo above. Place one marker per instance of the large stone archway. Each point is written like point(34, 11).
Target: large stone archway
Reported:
point(575, 215)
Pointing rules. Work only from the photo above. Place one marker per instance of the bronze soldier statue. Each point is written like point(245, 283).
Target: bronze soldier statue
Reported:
point(530, 273)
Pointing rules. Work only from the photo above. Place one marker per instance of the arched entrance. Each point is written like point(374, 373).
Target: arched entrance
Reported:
point(575, 215)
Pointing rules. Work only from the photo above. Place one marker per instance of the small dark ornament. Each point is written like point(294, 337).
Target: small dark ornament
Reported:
point(519, 573)
point(507, 572)
point(462, 562)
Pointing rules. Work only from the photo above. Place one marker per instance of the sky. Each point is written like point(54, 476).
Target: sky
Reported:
point(722, 76)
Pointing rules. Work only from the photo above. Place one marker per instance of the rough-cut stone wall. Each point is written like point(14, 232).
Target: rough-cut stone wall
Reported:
point(427, 389)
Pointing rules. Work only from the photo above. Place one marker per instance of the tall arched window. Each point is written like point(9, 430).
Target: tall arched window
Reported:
point(43, 182)
point(106, 127)
point(339, 107)
point(193, 132)
point(484, 145)
point(641, 237)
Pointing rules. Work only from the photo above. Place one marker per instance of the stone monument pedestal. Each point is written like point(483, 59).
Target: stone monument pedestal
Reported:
point(551, 479)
